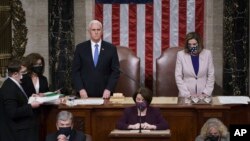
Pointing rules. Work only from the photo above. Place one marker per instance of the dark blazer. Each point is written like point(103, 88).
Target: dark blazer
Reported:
point(75, 136)
point(29, 87)
point(17, 113)
point(95, 79)
point(153, 116)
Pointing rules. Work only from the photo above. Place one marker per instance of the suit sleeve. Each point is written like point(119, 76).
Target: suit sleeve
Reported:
point(76, 70)
point(210, 75)
point(161, 123)
point(122, 123)
point(12, 108)
point(183, 90)
point(115, 73)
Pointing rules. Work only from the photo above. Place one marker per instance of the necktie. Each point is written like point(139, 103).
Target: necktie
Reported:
point(96, 54)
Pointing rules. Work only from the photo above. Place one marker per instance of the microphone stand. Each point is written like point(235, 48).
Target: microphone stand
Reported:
point(140, 119)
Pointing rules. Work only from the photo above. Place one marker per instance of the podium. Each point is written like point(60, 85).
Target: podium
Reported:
point(134, 135)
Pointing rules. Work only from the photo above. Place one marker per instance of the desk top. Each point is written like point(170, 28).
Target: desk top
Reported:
point(144, 133)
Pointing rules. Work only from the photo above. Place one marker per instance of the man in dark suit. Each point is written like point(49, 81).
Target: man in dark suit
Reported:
point(65, 131)
point(96, 65)
point(17, 114)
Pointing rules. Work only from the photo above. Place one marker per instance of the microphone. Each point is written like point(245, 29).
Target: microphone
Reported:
point(140, 108)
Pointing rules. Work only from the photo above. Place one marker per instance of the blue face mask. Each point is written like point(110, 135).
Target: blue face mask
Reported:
point(193, 50)
point(141, 105)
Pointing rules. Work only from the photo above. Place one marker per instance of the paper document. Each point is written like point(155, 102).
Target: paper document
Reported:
point(48, 97)
point(233, 99)
point(89, 101)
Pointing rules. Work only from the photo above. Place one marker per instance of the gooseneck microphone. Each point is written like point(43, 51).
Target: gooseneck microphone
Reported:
point(140, 118)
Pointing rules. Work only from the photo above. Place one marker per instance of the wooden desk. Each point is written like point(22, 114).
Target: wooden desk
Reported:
point(185, 120)
point(127, 135)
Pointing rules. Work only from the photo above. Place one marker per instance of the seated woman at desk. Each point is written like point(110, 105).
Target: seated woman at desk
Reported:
point(149, 117)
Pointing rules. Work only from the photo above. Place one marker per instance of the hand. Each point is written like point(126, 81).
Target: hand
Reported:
point(134, 126)
point(35, 104)
point(83, 93)
point(148, 126)
point(106, 93)
point(61, 137)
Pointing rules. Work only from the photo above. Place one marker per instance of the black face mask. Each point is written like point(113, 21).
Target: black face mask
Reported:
point(212, 138)
point(65, 131)
point(37, 69)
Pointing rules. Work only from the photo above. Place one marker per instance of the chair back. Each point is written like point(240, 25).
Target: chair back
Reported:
point(129, 80)
point(165, 73)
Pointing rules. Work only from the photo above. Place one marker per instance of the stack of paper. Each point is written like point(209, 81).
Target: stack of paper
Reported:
point(48, 97)
point(233, 99)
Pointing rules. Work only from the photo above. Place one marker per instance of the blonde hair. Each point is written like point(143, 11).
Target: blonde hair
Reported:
point(215, 123)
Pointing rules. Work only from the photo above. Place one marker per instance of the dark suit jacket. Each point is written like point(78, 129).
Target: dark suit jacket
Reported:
point(95, 79)
point(153, 116)
point(75, 136)
point(29, 87)
point(17, 113)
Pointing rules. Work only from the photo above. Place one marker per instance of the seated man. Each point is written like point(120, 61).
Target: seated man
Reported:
point(65, 131)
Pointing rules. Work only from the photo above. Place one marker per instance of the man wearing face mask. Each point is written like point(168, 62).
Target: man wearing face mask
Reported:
point(142, 115)
point(213, 130)
point(17, 116)
point(65, 131)
point(194, 71)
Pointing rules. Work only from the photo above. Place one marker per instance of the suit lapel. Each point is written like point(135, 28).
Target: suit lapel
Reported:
point(89, 54)
point(202, 62)
point(189, 63)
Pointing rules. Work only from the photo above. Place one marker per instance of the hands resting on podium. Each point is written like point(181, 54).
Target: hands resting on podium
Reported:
point(144, 125)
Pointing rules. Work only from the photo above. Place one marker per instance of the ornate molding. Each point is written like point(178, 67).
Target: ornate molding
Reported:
point(19, 29)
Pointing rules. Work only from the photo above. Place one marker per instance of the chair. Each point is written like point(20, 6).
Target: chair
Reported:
point(129, 80)
point(165, 73)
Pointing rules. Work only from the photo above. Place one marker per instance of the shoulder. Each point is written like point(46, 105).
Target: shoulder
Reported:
point(154, 109)
point(181, 52)
point(130, 109)
point(107, 44)
point(80, 136)
point(51, 137)
point(83, 44)
point(206, 51)
point(199, 138)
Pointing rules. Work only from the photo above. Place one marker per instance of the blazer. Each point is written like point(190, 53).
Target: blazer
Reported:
point(153, 116)
point(29, 88)
point(95, 79)
point(75, 136)
point(17, 113)
point(187, 81)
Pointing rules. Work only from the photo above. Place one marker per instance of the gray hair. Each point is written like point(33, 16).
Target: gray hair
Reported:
point(94, 22)
point(64, 115)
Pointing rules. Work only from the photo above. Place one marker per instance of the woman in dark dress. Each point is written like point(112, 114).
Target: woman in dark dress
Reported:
point(149, 117)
